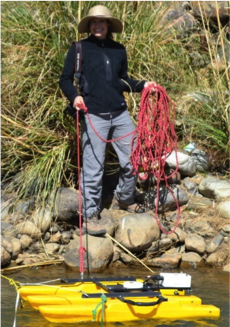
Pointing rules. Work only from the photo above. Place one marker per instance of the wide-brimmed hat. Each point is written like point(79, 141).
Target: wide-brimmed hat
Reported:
point(100, 12)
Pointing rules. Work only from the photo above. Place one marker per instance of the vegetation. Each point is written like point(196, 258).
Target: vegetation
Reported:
point(38, 141)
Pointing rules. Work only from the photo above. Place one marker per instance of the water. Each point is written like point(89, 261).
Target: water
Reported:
point(211, 285)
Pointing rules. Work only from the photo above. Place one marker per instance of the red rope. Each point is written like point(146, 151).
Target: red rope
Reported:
point(82, 250)
point(156, 139)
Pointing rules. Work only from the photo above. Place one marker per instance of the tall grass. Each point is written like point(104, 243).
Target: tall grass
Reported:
point(207, 111)
point(38, 141)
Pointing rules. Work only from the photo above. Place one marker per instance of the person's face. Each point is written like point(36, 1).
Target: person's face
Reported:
point(99, 27)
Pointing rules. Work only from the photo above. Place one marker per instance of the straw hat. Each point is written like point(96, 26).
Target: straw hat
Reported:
point(100, 12)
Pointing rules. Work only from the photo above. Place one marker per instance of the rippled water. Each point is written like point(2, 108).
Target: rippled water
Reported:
point(211, 285)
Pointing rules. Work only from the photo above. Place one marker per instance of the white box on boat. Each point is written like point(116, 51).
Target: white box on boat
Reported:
point(179, 280)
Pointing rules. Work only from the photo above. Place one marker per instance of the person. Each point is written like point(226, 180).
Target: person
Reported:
point(104, 78)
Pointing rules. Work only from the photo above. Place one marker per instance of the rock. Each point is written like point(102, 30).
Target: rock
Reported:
point(22, 207)
point(195, 243)
point(52, 248)
point(100, 253)
point(190, 185)
point(226, 228)
point(46, 237)
point(216, 259)
point(202, 228)
point(165, 243)
point(199, 204)
point(26, 241)
point(227, 268)
point(127, 259)
point(42, 218)
point(145, 183)
point(185, 23)
point(187, 165)
point(16, 248)
point(108, 222)
point(5, 257)
point(165, 261)
point(214, 243)
point(167, 200)
point(6, 208)
point(65, 237)
point(191, 257)
point(55, 238)
point(5, 225)
point(36, 247)
point(215, 188)
point(10, 231)
point(6, 243)
point(136, 232)
point(66, 204)
point(224, 208)
point(201, 160)
point(178, 235)
point(28, 228)
point(208, 9)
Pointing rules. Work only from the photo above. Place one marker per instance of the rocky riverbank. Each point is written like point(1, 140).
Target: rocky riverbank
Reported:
point(201, 236)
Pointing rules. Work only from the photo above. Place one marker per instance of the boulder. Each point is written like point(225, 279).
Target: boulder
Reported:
point(52, 248)
point(66, 204)
point(167, 199)
point(5, 257)
point(201, 160)
point(224, 208)
point(191, 258)
point(98, 256)
point(211, 9)
point(16, 248)
point(214, 243)
point(42, 218)
point(186, 164)
point(178, 235)
point(190, 185)
point(6, 243)
point(217, 259)
point(227, 268)
point(29, 228)
point(202, 228)
point(215, 188)
point(26, 241)
point(167, 260)
point(199, 203)
point(108, 222)
point(136, 232)
point(195, 243)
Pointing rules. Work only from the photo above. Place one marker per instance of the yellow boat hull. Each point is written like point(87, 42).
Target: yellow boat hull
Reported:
point(75, 289)
point(122, 301)
point(40, 300)
point(117, 311)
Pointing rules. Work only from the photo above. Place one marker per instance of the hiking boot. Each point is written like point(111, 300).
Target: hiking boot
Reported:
point(132, 208)
point(92, 226)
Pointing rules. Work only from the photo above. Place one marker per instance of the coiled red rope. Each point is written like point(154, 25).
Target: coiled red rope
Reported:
point(156, 139)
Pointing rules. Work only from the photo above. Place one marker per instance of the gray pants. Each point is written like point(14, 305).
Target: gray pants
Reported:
point(112, 126)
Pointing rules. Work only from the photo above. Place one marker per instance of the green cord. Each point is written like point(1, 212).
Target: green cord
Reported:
point(102, 303)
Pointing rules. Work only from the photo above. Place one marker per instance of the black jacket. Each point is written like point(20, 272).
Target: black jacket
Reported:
point(104, 75)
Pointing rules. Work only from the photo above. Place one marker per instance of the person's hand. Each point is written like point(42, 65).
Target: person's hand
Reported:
point(79, 103)
point(154, 84)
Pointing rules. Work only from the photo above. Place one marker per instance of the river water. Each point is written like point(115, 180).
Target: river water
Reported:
point(211, 285)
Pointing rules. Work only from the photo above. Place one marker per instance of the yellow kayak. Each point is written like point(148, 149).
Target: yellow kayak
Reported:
point(117, 311)
point(39, 300)
point(92, 286)
point(118, 299)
